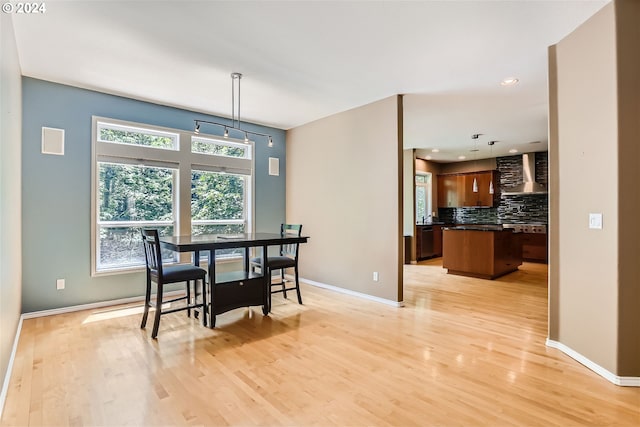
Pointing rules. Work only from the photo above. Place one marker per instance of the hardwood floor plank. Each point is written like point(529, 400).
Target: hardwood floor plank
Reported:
point(462, 352)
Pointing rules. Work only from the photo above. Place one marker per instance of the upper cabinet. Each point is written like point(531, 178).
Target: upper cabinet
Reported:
point(456, 191)
point(448, 191)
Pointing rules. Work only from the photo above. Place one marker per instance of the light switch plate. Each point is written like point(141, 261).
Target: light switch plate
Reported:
point(595, 221)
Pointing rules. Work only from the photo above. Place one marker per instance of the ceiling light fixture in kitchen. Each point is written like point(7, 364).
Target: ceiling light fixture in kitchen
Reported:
point(475, 137)
point(509, 81)
point(235, 122)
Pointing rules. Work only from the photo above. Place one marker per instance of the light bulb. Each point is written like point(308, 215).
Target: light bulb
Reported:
point(226, 133)
point(475, 185)
point(270, 142)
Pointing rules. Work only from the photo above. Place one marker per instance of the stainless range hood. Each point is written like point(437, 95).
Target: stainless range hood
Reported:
point(529, 184)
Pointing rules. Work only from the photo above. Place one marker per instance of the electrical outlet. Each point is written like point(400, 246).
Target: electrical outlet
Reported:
point(376, 276)
point(60, 284)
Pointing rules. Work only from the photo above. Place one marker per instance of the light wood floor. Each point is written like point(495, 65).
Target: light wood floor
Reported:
point(461, 352)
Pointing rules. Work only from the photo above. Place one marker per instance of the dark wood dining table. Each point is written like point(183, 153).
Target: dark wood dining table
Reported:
point(230, 290)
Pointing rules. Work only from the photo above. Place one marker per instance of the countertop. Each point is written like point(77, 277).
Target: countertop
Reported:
point(479, 227)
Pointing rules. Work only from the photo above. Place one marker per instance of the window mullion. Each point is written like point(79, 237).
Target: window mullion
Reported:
point(183, 193)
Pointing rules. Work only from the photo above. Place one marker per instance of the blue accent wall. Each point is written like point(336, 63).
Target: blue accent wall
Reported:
point(56, 190)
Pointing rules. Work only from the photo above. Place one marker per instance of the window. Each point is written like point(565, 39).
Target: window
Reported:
point(423, 196)
point(137, 175)
point(131, 197)
point(133, 136)
point(217, 203)
point(220, 148)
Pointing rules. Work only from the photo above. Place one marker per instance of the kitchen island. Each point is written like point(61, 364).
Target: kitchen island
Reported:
point(483, 251)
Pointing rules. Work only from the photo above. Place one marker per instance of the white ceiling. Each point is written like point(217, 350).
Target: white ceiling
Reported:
point(304, 60)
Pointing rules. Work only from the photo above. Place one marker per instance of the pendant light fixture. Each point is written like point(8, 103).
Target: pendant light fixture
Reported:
point(491, 191)
point(235, 122)
point(475, 137)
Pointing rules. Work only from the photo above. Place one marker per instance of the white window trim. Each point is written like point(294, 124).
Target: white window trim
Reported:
point(181, 159)
point(428, 189)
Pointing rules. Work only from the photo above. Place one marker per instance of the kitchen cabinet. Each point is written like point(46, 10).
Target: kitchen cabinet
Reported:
point(448, 190)
point(456, 191)
point(482, 197)
point(534, 247)
point(437, 240)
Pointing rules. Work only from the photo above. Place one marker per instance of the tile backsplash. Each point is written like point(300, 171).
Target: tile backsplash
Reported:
point(518, 209)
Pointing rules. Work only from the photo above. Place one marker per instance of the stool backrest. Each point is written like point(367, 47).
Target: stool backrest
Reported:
point(290, 250)
point(152, 251)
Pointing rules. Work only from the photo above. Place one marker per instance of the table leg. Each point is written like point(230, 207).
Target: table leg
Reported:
point(266, 274)
point(212, 284)
point(196, 262)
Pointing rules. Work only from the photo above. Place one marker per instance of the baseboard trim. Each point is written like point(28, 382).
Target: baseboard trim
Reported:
point(352, 293)
point(72, 308)
point(620, 381)
point(7, 376)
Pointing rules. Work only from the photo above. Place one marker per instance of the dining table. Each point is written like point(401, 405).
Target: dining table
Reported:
point(239, 288)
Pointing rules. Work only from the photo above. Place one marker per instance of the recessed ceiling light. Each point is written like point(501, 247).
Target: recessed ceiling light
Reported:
point(509, 81)
point(435, 150)
point(428, 157)
point(513, 150)
point(461, 157)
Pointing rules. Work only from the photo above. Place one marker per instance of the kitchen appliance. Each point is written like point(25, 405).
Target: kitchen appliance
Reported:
point(534, 241)
point(528, 184)
point(527, 228)
point(426, 247)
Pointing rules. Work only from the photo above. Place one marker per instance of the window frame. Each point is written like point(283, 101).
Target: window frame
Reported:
point(428, 193)
point(181, 158)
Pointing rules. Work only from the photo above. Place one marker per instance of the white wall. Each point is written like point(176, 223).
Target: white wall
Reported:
point(344, 185)
point(10, 198)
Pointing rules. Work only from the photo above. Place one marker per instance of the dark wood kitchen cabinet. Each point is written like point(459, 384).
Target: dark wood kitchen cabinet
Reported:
point(534, 247)
point(456, 190)
point(448, 190)
point(482, 197)
point(437, 240)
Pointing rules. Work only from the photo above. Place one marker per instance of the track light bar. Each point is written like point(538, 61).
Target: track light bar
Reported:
point(227, 128)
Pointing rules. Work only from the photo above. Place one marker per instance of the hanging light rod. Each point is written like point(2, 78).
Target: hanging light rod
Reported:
point(227, 128)
point(235, 121)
